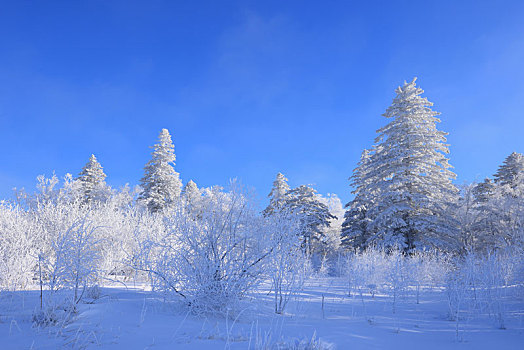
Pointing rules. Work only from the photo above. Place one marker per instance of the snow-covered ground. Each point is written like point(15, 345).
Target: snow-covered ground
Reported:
point(134, 318)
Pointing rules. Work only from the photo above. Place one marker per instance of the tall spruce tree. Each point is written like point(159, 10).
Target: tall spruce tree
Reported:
point(482, 231)
point(355, 232)
point(483, 191)
point(506, 205)
point(161, 183)
point(408, 177)
point(278, 195)
point(192, 198)
point(511, 172)
point(91, 181)
point(314, 215)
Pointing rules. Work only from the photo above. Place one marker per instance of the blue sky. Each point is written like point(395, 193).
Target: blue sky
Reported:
point(248, 89)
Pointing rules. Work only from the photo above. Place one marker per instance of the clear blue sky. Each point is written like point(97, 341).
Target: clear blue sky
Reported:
point(249, 89)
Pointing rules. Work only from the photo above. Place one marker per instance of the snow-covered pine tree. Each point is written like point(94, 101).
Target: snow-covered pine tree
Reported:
point(314, 215)
point(506, 205)
point(192, 198)
point(499, 205)
point(511, 171)
point(478, 230)
point(410, 170)
point(483, 190)
point(191, 191)
point(278, 195)
point(354, 228)
point(91, 181)
point(161, 183)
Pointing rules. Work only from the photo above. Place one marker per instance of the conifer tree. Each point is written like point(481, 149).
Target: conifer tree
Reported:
point(91, 181)
point(511, 171)
point(313, 214)
point(161, 183)
point(506, 205)
point(408, 177)
point(484, 190)
point(278, 195)
point(191, 191)
point(354, 228)
point(192, 198)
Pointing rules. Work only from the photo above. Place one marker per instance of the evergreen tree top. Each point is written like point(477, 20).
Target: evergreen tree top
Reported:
point(190, 186)
point(278, 194)
point(403, 184)
point(164, 150)
point(161, 183)
point(511, 170)
point(92, 171)
point(483, 190)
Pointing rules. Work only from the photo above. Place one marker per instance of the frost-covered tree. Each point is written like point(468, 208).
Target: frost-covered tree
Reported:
point(332, 233)
point(409, 170)
point(212, 262)
point(510, 173)
point(190, 192)
point(506, 206)
point(46, 188)
point(469, 218)
point(91, 181)
point(161, 183)
point(73, 262)
point(354, 228)
point(483, 190)
point(314, 215)
point(476, 217)
point(278, 195)
point(499, 207)
point(287, 258)
point(18, 246)
point(192, 198)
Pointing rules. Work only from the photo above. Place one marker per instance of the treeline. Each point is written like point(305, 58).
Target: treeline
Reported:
point(209, 247)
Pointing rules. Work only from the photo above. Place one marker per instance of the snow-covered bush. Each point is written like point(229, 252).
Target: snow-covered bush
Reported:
point(210, 262)
point(73, 260)
point(397, 275)
point(17, 247)
point(370, 270)
point(45, 317)
point(58, 311)
point(456, 291)
point(426, 269)
point(477, 284)
point(286, 259)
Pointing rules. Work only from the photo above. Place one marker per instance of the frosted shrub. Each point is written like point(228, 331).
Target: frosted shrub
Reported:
point(17, 247)
point(93, 292)
point(426, 269)
point(370, 269)
point(58, 311)
point(286, 260)
point(221, 257)
point(436, 266)
point(73, 260)
point(345, 269)
point(494, 280)
point(494, 271)
point(456, 291)
point(312, 343)
point(45, 318)
point(477, 284)
point(417, 272)
point(396, 275)
point(210, 262)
